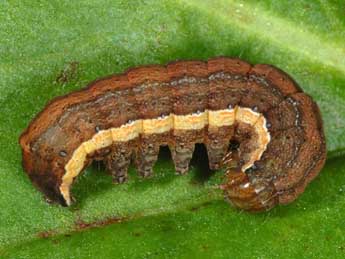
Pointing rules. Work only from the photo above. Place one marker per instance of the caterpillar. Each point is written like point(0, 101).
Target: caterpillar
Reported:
point(254, 120)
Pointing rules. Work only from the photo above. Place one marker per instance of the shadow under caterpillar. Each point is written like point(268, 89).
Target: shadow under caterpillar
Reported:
point(280, 144)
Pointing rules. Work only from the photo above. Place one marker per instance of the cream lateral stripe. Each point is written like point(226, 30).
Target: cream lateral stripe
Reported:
point(191, 121)
point(221, 118)
point(126, 132)
point(263, 140)
point(156, 126)
point(248, 116)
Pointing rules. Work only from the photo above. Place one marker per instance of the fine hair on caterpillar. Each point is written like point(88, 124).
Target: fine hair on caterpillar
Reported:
point(275, 132)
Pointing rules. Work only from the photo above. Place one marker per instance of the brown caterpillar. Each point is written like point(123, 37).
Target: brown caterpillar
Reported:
point(277, 145)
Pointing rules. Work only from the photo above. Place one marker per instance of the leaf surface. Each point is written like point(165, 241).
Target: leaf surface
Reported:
point(51, 48)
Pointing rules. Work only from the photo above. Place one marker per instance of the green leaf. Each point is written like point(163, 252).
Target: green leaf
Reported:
point(51, 48)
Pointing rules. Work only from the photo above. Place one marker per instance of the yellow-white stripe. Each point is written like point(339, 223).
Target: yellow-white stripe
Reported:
point(129, 131)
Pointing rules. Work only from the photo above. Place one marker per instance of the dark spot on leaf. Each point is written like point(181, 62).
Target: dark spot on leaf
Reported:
point(68, 73)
